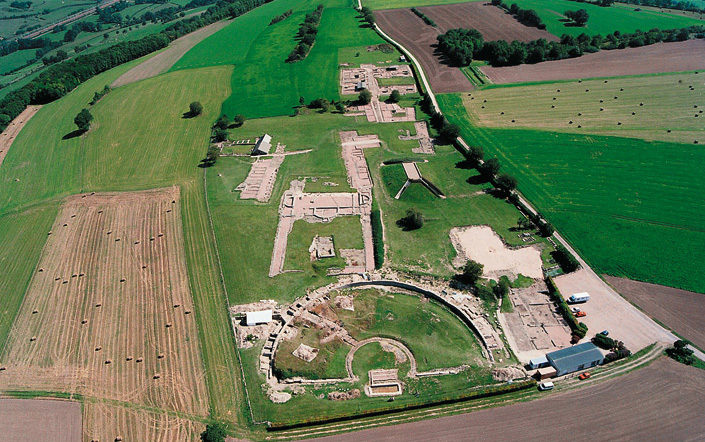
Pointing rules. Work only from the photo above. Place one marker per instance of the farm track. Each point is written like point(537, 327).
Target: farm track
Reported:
point(115, 261)
point(13, 129)
point(164, 60)
point(657, 58)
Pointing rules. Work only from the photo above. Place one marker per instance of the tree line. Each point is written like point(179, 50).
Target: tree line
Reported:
point(426, 19)
point(281, 17)
point(461, 46)
point(527, 17)
point(308, 30)
point(59, 79)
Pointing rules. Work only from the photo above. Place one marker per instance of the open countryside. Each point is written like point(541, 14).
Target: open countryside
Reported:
point(290, 219)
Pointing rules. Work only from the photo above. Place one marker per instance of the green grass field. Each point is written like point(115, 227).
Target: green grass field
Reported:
point(645, 107)
point(345, 230)
point(435, 336)
point(618, 17)
point(329, 363)
point(263, 84)
point(632, 208)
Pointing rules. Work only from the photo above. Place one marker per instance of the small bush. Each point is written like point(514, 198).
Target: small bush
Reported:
point(565, 259)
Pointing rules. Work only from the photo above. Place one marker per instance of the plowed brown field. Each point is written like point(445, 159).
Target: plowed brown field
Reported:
point(680, 310)
point(19, 418)
point(663, 401)
point(107, 314)
point(410, 31)
point(661, 57)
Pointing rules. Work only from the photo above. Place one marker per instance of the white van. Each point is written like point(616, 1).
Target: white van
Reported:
point(544, 386)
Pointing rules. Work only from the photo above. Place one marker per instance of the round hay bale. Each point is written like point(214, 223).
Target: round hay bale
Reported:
point(570, 122)
point(81, 275)
point(669, 131)
point(98, 305)
point(156, 376)
point(502, 113)
point(65, 225)
point(84, 321)
point(579, 126)
point(177, 305)
point(32, 339)
point(641, 104)
point(187, 312)
point(34, 312)
point(621, 89)
point(160, 235)
point(99, 348)
point(41, 270)
point(619, 123)
point(2, 369)
point(168, 325)
point(633, 113)
point(137, 242)
point(123, 280)
point(57, 278)
point(587, 90)
point(602, 101)
point(129, 358)
point(160, 356)
point(554, 98)
point(168, 211)
point(139, 360)
point(513, 121)
point(605, 81)
point(117, 239)
point(558, 90)
point(580, 114)
point(601, 109)
point(553, 107)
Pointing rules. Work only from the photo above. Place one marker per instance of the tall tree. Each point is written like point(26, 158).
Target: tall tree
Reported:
point(83, 120)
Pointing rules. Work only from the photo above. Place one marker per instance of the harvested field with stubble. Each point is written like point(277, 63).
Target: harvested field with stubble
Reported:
point(409, 30)
point(669, 396)
point(108, 314)
point(660, 57)
point(680, 310)
point(164, 60)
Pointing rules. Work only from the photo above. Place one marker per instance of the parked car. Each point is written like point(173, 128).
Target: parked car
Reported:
point(575, 309)
point(548, 385)
point(584, 376)
point(580, 314)
point(604, 333)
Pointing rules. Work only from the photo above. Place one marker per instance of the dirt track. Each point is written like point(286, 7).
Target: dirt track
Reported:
point(680, 310)
point(10, 133)
point(663, 401)
point(106, 316)
point(661, 57)
point(34, 420)
point(163, 61)
point(410, 31)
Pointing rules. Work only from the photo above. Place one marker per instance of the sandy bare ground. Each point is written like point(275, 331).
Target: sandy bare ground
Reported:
point(108, 311)
point(663, 401)
point(482, 244)
point(661, 57)
point(163, 61)
point(610, 312)
point(33, 420)
point(10, 133)
point(680, 310)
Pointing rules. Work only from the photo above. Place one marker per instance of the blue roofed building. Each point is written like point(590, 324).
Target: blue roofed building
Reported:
point(575, 358)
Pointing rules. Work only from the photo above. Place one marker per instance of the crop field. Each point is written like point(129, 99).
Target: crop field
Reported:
point(657, 107)
point(60, 420)
point(618, 17)
point(492, 22)
point(653, 59)
point(409, 30)
point(680, 394)
point(40, 13)
point(131, 147)
point(679, 310)
point(263, 84)
point(648, 218)
point(117, 322)
point(395, 4)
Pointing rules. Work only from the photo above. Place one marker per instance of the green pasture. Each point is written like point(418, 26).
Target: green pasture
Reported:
point(41, 13)
point(427, 328)
point(632, 208)
point(395, 81)
point(652, 107)
point(263, 84)
point(395, 4)
point(129, 147)
point(329, 363)
point(428, 249)
point(354, 56)
point(618, 17)
point(345, 230)
point(436, 337)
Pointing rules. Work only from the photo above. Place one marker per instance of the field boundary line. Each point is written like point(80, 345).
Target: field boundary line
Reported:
point(227, 297)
